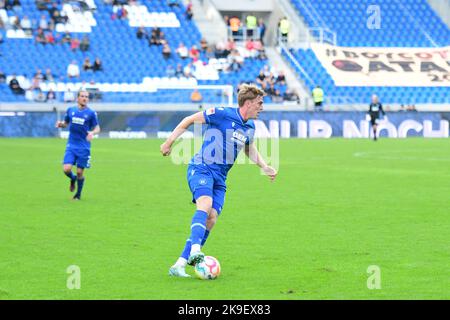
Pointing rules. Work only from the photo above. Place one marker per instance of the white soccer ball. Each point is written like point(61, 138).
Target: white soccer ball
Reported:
point(208, 269)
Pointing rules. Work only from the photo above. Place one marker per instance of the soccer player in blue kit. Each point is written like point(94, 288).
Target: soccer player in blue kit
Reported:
point(229, 130)
point(83, 125)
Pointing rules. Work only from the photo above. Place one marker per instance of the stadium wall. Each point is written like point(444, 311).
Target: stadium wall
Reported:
point(273, 124)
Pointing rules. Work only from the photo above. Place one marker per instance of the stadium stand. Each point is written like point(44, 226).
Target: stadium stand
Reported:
point(405, 24)
point(132, 67)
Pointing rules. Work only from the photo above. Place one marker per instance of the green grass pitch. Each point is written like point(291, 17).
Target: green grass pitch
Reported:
point(337, 207)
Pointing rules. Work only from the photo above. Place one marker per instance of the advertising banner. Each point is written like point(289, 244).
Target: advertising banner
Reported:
point(391, 67)
point(271, 124)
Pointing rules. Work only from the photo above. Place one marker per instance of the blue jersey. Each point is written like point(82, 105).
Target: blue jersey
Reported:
point(80, 122)
point(226, 134)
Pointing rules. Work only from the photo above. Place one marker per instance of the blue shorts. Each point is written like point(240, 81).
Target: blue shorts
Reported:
point(80, 157)
point(205, 182)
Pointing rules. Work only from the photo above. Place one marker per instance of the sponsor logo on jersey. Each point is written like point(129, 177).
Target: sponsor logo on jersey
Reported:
point(239, 137)
point(210, 111)
point(77, 120)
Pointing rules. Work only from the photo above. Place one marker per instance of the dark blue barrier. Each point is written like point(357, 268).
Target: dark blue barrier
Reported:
point(284, 124)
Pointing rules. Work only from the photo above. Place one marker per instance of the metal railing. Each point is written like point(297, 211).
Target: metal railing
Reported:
point(244, 34)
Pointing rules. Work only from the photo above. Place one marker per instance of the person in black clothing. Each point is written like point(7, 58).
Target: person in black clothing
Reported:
point(375, 108)
point(15, 86)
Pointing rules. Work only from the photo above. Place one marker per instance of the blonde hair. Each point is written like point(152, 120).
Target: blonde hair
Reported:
point(249, 92)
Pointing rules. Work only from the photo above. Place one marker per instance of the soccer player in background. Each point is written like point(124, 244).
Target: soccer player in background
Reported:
point(83, 125)
point(375, 108)
point(229, 130)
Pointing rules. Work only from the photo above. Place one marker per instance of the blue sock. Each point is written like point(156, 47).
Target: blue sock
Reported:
point(80, 183)
point(70, 175)
point(198, 227)
point(186, 250)
point(205, 237)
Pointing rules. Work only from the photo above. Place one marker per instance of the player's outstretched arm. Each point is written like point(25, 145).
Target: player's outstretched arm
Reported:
point(253, 154)
point(166, 147)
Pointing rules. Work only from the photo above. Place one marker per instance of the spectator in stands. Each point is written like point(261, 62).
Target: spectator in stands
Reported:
point(49, 37)
point(179, 71)
point(182, 51)
point(283, 28)
point(94, 91)
point(48, 76)
point(2, 24)
point(153, 40)
point(235, 24)
point(281, 78)
point(40, 37)
point(266, 71)
point(53, 10)
point(161, 36)
point(262, 30)
point(251, 23)
point(74, 44)
point(25, 24)
point(73, 71)
point(39, 76)
point(220, 51)
point(43, 23)
point(51, 96)
point(194, 54)
point(2, 77)
point(411, 108)
point(173, 3)
point(203, 45)
point(141, 33)
point(67, 38)
point(251, 45)
point(270, 89)
point(196, 96)
point(188, 70)
point(85, 43)
point(235, 61)
point(15, 86)
point(189, 11)
point(261, 78)
point(69, 96)
point(230, 46)
point(170, 71)
point(258, 46)
point(17, 6)
point(277, 97)
point(97, 66)
point(166, 51)
point(210, 54)
point(58, 18)
point(87, 65)
point(39, 96)
point(122, 13)
point(15, 23)
point(41, 4)
point(157, 32)
point(226, 19)
point(317, 95)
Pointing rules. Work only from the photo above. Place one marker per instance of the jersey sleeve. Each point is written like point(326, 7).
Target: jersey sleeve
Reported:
point(214, 115)
point(67, 117)
point(94, 120)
